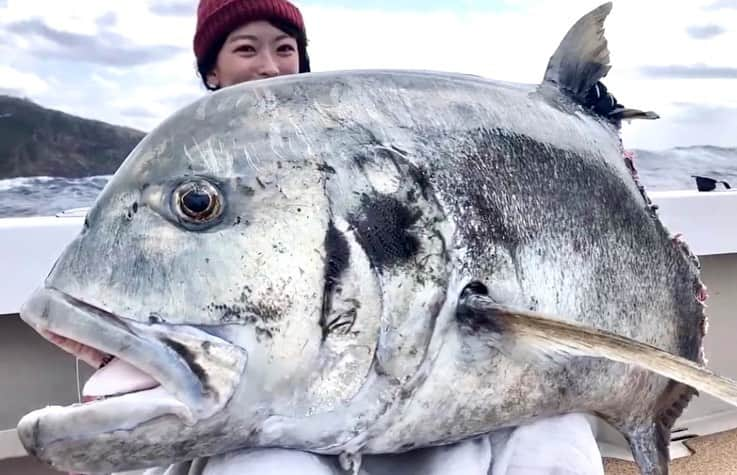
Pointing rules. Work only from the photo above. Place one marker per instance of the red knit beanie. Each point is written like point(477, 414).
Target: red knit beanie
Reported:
point(217, 18)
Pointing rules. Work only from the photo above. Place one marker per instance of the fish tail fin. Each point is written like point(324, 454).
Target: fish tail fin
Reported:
point(521, 331)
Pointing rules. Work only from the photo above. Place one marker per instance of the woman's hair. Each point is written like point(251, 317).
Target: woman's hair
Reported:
point(207, 64)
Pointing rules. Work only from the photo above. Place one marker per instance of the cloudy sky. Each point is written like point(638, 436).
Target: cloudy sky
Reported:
point(130, 62)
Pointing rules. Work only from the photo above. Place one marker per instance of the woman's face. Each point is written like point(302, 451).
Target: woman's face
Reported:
point(256, 50)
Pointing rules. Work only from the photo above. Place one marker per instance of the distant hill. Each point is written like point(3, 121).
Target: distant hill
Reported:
point(35, 141)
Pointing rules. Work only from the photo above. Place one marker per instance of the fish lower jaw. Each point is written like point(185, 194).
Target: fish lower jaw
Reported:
point(43, 428)
point(162, 398)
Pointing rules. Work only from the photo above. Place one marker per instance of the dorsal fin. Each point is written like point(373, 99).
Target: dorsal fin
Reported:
point(582, 58)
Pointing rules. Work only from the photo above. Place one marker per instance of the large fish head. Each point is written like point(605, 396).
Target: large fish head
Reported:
point(238, 268)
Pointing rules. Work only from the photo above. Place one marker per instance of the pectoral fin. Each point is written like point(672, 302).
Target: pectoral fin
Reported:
point(518, 332)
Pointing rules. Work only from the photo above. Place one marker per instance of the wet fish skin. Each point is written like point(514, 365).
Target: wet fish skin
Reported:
point(318, 262)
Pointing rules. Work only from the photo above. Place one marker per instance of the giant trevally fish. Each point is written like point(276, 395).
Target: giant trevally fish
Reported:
point(371, 262)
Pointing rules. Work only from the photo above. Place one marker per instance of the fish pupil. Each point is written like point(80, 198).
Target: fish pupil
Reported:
point(196, 202)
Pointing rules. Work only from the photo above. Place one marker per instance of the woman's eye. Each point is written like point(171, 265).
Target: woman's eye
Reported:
point(197, 202)
point(245, 49)
point(285, 49)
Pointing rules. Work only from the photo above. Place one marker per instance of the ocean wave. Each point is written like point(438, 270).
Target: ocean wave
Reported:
point(675, 169)
point(45, 196)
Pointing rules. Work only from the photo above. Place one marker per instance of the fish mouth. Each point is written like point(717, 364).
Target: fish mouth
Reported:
point(146, 372)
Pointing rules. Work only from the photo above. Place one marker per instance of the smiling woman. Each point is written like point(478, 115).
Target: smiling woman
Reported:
point(243, 40)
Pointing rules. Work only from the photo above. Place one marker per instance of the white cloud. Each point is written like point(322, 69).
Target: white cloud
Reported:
point(28, 83)
point(510, 45)
point(78, 15)
point(104, 82)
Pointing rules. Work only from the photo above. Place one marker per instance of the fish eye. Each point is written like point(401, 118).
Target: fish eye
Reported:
point(197, 202)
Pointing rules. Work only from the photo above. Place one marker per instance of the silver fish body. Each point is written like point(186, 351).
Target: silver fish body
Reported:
point(292, 260)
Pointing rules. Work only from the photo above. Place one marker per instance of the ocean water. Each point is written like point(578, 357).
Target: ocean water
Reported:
point(658, 170)
point(674, 169)
point(47, 196)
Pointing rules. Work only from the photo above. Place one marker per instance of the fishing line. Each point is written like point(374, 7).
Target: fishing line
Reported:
point(79, 391)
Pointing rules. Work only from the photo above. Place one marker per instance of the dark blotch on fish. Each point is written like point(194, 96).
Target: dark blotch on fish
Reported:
point(324, 167)
point(268, 313)
point(246, 190)
point(189, 358)
point(338, 254)
point(383, 228)
point(263, 333)
point(419, 176)
point(262, 316)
